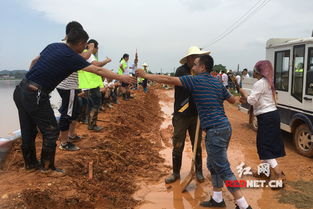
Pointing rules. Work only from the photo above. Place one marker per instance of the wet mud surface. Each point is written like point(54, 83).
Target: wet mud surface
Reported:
point(131, 158)
point(127, 149)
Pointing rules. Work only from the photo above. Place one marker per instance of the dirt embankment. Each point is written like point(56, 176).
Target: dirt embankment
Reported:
point(127, 148)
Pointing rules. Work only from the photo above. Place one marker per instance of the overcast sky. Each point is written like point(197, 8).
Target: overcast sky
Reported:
point(161, 30)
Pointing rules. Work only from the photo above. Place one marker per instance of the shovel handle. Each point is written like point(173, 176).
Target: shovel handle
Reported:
point(191, 174)
point(195, 144)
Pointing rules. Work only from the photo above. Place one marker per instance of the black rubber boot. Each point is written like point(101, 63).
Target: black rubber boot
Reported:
point(129, 96)
point(176, 170)
point(198, 165)
point(30, 159)
point(47, 160)
point(90, 116)
point(125, 97)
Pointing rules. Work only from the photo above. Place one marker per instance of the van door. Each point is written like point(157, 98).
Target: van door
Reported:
point(297, 76)
point(282, 85)
point(308, 96)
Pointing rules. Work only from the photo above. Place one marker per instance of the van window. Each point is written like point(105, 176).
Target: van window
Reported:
point(282, 59)
point(297, 72)
point(309, 74)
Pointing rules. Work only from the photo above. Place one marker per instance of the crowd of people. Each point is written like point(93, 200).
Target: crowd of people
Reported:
point(224, 76)
point(85, 87)
point(73, 68)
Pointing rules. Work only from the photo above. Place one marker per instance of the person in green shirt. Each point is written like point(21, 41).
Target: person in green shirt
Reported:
point(123, 70)
point(93, 83)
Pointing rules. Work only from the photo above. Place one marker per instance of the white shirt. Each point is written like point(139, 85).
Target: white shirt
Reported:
point(238, 78)
point(107, 84)
point(246, 76)
point(261, 97)
point(132, 69)
point(225, 79)
point(92, 58)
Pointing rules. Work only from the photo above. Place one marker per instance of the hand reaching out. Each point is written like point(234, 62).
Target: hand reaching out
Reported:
point(140, 73)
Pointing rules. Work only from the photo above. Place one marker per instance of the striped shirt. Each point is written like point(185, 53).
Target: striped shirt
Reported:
point(209, 94)
point(57, 61)
point(70, 82)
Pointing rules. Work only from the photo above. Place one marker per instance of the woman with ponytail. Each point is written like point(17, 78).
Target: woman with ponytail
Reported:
point(263, 99)
point(123, 70)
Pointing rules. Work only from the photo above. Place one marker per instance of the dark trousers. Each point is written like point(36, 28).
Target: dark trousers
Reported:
point(83, 109)
point(34, 111)
point(144, 83)
point(182, 124)
point(94, 102)
point(94, 98)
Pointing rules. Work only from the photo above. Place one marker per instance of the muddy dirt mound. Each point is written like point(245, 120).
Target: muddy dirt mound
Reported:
point(126, 149)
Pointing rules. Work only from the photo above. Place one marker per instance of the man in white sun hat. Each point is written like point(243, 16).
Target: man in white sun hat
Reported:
point(185, 118)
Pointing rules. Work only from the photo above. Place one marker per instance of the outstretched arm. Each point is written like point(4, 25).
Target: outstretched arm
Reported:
point(159, 78)
point(109, 74)
point(101, 63)
point(243, 93)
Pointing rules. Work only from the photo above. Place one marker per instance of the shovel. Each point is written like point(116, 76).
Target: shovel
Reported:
point(191, 174)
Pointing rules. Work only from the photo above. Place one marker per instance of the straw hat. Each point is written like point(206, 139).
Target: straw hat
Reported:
point(145, 64)
point(193, 50)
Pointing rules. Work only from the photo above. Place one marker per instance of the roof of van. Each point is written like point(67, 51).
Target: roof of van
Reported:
point(275, 42)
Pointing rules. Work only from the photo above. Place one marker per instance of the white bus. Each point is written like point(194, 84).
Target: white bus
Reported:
point(292, 60)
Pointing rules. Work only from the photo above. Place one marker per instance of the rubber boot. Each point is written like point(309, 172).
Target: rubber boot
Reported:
point(30, 159)
point(198, 165)
point(125, 97)
point(47, 161)
point(129, 96)
point(114, 98)
point(107, 102)
point(92, 120)
point(176, 170)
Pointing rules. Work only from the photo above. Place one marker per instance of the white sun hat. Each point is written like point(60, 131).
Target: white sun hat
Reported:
point(193, 50)
point(145, 64)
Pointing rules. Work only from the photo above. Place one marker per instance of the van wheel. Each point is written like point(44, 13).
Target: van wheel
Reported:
point(303, 140)
point(253, 122)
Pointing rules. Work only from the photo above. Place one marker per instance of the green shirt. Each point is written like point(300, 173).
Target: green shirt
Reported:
point(87, 80)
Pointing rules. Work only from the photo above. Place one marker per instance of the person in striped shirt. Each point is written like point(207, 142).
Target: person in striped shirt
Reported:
point(209, 95)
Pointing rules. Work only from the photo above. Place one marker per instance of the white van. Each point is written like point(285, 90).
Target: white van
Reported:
point(292, 60)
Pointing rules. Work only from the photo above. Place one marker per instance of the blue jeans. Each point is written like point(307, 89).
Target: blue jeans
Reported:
point(216, 143)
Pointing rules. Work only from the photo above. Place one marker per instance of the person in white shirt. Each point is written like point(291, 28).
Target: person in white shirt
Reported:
point(225, 79)
point(238, 79)
point(108, 92)
point(245, 73)
point(269, 142)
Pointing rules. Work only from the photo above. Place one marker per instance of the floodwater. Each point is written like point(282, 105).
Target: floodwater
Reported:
point(9, 116)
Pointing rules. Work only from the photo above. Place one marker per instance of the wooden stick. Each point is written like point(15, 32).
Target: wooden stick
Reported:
point(191, 174)
point(90, 170)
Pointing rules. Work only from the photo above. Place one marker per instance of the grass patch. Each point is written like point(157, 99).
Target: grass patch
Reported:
point(301, 194)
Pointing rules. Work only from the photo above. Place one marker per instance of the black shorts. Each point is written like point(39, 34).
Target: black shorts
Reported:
point(69, 109)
